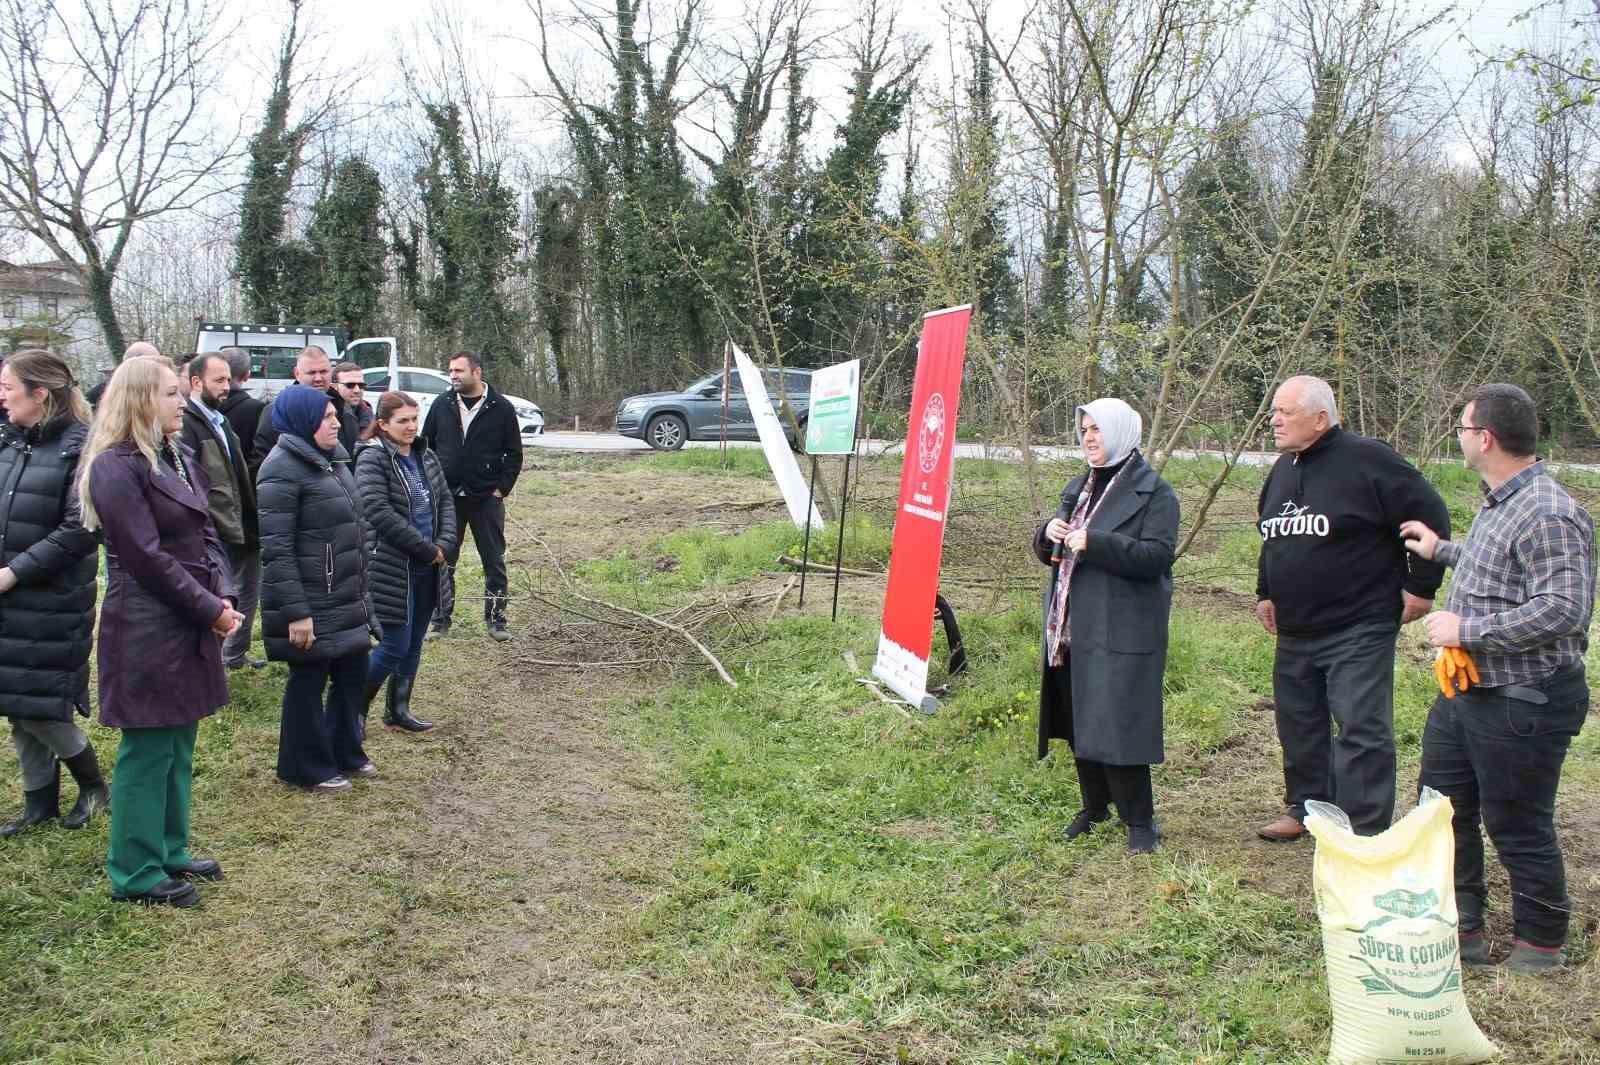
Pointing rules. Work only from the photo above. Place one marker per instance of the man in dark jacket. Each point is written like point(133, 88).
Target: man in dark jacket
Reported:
point(242, 409)
point(232, 498)
point(351, 384)
point(1334, 585)
point(474, 431)
point(99, 389)
point(311, 368)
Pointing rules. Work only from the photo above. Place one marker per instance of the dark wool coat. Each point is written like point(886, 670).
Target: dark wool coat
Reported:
point(392, 541)
point(313, 553)
point(488, 457)
point(47, 620)
point(233, 491)
point(1121, 597)
point(166, 576)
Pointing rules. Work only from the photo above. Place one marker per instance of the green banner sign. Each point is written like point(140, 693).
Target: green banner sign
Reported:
point(831, 418)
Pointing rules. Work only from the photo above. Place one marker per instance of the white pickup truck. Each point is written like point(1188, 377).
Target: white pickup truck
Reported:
point(274, 348)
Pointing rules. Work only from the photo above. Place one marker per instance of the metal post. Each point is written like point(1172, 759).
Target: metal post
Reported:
point(727, 374)
point(805, 555)
point(838, 555)
point(844, 504)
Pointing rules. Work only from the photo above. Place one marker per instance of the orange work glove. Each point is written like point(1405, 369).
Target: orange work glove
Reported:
point(1455, 671)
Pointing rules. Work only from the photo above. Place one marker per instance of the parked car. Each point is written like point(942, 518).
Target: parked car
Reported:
point(667, 420)
point(425, 386)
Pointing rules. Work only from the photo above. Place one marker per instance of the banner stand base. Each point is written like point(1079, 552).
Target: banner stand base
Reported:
point(929, 705)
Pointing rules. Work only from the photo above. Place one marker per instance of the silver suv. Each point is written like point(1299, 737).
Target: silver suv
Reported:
point(667, 420)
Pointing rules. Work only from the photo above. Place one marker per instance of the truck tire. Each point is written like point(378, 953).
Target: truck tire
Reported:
point(666, 432)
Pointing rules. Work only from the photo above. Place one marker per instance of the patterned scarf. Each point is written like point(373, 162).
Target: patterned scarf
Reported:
point(175, 460)
point(1058, 627)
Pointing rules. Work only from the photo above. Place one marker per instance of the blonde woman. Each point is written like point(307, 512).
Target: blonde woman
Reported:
point(47, 571)
point(168, 605)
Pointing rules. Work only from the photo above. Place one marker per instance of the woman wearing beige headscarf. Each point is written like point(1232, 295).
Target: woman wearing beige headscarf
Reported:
point(1110, 550)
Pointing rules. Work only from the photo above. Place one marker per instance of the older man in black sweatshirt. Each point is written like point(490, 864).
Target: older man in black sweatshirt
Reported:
point(1334, 584)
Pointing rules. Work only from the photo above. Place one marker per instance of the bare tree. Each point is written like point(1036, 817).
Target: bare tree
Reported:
point(102, 126)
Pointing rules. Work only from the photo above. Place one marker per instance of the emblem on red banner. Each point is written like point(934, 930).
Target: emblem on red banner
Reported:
point(930, 439)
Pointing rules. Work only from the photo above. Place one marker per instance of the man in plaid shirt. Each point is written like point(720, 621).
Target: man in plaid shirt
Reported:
point(1520, 604)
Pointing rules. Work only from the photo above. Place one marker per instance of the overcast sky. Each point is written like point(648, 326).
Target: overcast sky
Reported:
point(368, 35)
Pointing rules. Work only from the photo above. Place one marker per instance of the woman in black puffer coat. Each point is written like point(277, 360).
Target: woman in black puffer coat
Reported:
point(411, 530)
point(47, 589)
point(315, 613)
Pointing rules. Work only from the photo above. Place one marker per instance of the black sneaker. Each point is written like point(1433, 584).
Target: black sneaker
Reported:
point(1085, 822)
point(1474, 948)
point(437, 632)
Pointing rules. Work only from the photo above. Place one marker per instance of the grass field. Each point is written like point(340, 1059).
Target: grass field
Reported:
point(647, 865)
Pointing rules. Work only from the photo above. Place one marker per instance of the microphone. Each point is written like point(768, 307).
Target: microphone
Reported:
point(1059, 551)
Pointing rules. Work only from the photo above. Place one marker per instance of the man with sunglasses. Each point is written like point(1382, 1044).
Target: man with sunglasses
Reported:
point(352, 388)
point(1520, 604)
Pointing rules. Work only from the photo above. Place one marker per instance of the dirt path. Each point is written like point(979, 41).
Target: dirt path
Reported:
point(538, 844)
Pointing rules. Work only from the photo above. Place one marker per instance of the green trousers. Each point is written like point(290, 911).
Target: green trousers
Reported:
point(150, 807)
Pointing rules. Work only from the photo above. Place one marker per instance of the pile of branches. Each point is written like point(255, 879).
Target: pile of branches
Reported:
point(579, 631)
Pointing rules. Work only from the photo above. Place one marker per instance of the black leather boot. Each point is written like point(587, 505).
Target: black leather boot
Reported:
point(37, 807)
point(397, 711)
point(93, 795)
point(169, 892)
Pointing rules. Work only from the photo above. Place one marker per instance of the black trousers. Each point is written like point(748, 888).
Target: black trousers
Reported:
point(1498, 759)
point(319, 740)
point(485, 516)
point(1100, 784)
point(1343, 678)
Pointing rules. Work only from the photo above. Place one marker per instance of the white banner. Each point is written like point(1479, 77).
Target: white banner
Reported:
point(775, 444)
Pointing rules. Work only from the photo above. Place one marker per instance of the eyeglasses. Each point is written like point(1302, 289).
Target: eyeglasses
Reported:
point(357, 385)
point(1473, 429)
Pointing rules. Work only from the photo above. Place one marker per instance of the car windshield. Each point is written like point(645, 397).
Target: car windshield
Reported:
point(709, 381)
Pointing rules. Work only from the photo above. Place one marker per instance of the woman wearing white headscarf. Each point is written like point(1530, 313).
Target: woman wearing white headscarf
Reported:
point(1110, 549)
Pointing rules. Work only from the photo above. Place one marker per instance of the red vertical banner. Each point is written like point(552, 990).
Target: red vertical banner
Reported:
point(906, 638)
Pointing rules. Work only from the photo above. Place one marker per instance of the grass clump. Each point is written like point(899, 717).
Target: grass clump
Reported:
point(747, 461)
point(707, 558)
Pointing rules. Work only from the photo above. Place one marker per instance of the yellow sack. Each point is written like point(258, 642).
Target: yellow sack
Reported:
point(1388, 909)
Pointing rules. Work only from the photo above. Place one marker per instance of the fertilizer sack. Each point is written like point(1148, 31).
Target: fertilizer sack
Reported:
point(1388, 910)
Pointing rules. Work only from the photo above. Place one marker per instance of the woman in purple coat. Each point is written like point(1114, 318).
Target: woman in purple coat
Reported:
point(168, 604)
